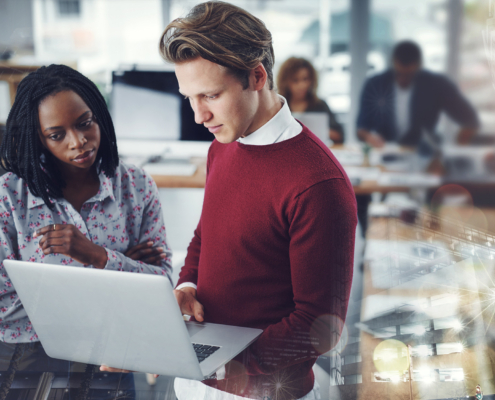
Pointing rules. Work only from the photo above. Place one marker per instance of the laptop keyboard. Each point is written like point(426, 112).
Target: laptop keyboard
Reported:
point(203, 351)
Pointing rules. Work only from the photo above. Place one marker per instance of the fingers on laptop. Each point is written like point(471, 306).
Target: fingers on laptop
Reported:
point(146, 253)
point(198, 311)
point(188, 303)
point(110, 369)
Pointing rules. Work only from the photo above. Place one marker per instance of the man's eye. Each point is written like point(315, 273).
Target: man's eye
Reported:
point(212, 97)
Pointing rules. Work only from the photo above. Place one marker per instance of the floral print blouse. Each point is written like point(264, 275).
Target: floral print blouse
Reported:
point(126, 211)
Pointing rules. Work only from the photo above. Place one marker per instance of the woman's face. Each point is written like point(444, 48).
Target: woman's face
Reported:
point(299, 84)
point(69, 130)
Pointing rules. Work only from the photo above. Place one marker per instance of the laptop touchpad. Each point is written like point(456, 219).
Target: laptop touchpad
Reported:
point(193, 328)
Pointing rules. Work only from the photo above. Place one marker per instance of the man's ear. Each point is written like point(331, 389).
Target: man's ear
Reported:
point(259, 77)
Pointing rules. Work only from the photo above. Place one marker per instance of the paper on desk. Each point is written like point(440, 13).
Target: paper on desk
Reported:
point(363, 173)
point(410, 180)
point(141, 148)
point(388, 259)
point(173, 169)
point(348, 157)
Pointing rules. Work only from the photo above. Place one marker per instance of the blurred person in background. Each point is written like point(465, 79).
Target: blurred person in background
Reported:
point(297, 81)
point(401, 103)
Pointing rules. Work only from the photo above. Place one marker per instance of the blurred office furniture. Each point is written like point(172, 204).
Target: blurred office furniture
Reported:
point(14, 74)
point(146, 105)
point(469, 163)
point(366, 179)
point(155, 126)
point(426, 283)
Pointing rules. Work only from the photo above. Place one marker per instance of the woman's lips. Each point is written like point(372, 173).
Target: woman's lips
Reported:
point(82, 158)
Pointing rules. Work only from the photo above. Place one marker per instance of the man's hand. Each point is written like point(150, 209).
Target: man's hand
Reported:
point(146, 253)
point(186, 298)
point(436, 167)
point(70, 241)
point(372, 139)
point(335, 136)
point(465, 135)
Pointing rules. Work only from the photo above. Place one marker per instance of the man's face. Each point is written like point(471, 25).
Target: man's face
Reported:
point(404, 74)
point(217, 98)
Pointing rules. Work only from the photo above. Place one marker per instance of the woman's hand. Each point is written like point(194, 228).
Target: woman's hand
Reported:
point(146, 253)
point(123, 371)
point(70, 241)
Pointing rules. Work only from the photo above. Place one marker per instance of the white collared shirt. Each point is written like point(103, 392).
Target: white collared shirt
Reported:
point(281, 127)
point(402, 109)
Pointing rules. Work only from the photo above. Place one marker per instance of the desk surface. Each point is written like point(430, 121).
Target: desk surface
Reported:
point(364, 186)
point(197, 180)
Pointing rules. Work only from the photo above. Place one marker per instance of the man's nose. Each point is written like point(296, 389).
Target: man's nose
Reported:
point(201, 112)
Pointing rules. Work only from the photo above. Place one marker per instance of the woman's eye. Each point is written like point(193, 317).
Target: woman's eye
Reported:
point(86, 123)
point(55, 137)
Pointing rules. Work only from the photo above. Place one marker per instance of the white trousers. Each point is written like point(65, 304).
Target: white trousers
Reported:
point(186, 389)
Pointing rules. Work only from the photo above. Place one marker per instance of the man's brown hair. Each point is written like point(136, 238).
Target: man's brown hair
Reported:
point(288, 69)
point(223, 34)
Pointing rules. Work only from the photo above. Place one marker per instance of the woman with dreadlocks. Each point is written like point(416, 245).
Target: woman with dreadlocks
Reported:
point(67, 199)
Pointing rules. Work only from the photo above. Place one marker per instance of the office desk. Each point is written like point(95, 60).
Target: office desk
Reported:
point(197, 180)
point(416, 278)
point(363, 187)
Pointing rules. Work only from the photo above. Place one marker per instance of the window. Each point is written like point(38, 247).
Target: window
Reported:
point(353, 379)
point(351, 359)
point(69, 7)
point(449, 348)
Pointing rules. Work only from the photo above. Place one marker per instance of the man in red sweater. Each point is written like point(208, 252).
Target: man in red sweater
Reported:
point(275, 243)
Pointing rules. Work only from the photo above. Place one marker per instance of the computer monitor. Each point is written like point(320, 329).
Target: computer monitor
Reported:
point(146, 105)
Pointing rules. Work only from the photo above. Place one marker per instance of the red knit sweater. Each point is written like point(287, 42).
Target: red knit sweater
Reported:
point(274, 250)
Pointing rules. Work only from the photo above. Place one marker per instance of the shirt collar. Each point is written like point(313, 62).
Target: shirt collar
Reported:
point(273, 129)
point(105, 190)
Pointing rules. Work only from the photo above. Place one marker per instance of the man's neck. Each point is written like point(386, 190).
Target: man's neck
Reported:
point(268, 106)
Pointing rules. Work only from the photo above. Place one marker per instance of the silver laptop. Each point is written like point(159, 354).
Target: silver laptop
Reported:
point(122, 320)
point(317, 122)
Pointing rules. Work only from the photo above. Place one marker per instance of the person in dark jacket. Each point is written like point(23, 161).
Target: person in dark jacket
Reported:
point(405, 102)
point(403, 105)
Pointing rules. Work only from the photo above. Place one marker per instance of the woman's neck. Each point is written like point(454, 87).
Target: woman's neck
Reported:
point(78, 177)
point(81, 185)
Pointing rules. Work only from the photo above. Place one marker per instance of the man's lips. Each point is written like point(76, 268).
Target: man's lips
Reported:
point(214, 129)
point(84, 156)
